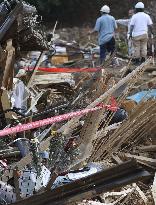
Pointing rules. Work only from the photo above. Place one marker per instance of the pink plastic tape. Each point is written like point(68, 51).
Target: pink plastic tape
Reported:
point(48, 121)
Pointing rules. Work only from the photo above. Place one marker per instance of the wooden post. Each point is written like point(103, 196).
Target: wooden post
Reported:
point(7, 80)
point(16, 182)
point(2, 65)
point(9, 64)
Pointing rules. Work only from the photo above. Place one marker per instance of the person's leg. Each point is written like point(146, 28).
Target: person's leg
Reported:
point(136, 54)
point(102, 53)
point(143, 48)
point(130, 48)
point(111, 46)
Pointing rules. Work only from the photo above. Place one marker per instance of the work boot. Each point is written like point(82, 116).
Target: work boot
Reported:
point(143, 60)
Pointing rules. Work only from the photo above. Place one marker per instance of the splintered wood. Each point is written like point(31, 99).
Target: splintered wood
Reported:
point(8, 72)
point(141, 124)
point(88, 134)
point(67, 128)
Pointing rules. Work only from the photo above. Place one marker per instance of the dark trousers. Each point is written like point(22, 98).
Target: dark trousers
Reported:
point(107, 47)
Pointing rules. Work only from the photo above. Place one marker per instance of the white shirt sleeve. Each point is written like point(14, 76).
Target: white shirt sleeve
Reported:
point(123, 22)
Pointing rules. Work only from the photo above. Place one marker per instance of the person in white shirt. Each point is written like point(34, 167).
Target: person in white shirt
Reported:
point(139, 26)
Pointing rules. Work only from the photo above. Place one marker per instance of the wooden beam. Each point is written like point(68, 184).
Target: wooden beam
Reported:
point(149, 148)
point(9, 64)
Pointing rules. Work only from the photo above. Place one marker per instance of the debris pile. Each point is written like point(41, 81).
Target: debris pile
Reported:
point(73, 131)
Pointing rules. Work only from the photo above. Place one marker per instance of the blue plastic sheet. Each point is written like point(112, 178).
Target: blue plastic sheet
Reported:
point(143, 95)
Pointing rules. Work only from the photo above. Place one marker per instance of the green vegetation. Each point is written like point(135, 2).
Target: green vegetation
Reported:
point(122, 47)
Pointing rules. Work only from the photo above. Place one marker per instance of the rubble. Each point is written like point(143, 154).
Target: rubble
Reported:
point(72, 129)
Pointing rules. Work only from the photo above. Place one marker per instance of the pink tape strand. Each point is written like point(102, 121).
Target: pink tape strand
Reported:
point(48, 121)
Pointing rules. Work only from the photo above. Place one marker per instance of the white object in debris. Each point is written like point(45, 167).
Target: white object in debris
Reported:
point(29, 181)
point(60, 49)
point(79, 175)
point(154, 189)
point(74, 176)
point(34, 55)
point(43, 179)
point(92, 169)
point(54, 78)
point(19, 95)
point(7, 193)
point(21, 73)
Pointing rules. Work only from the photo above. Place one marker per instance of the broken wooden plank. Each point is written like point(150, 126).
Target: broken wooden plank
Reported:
point(149, 148)
point(16, 183)
point(9, 62)
point(141, 158)
point(117, 159)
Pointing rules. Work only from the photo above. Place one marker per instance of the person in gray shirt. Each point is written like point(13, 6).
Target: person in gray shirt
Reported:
point(126, 22)
point(105, 26)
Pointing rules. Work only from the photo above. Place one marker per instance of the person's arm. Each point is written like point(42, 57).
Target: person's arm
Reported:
point(92, 32)
point(131, 31)
point(151, 29)
point(123, 22)
point(132, 23)
point(150, 25)
point(96, 28)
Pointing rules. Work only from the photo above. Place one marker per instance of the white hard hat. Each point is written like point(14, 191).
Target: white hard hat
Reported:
point(139, 5)
point(105, 9)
